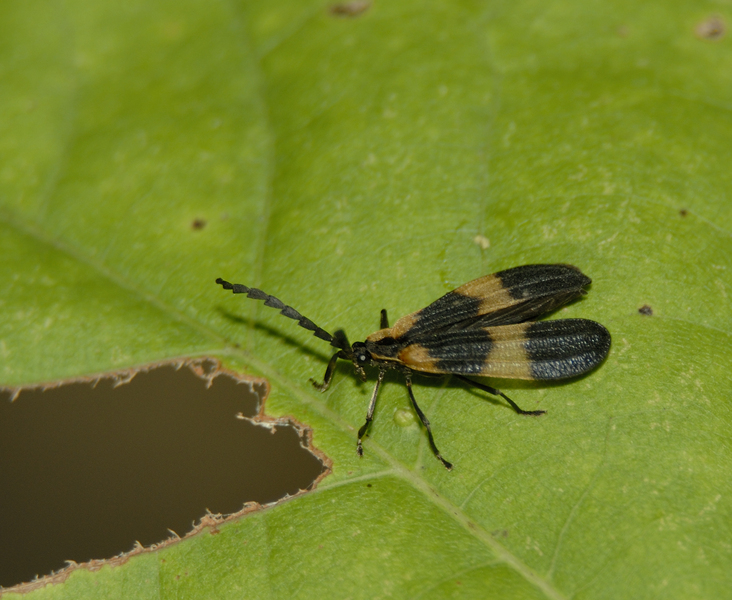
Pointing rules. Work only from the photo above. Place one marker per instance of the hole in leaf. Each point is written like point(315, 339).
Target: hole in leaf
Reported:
point(90, 467)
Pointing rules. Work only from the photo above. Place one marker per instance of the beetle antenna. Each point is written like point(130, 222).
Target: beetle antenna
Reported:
point(237, 288)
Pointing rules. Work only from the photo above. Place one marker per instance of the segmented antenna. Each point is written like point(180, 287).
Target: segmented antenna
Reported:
point(288, 311)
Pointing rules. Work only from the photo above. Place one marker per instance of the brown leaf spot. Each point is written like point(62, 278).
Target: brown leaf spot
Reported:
point(712, 28)
point(354, 8)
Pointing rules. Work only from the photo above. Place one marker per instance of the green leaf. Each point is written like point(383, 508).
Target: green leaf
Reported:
point(352, 164)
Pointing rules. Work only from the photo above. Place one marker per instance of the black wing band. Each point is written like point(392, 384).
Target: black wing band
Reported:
point(546, 350)
point(512, 296)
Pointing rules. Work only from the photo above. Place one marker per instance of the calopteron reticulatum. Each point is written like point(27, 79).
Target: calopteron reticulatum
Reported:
point(484, 328)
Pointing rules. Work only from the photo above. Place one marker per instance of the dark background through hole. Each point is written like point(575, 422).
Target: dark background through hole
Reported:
point(86, 471)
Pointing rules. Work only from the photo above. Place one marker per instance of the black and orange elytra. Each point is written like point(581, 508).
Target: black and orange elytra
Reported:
point(484, 328)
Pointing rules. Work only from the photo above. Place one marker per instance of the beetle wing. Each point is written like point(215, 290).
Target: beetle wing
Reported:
point(511, 296)
point(546, 350)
